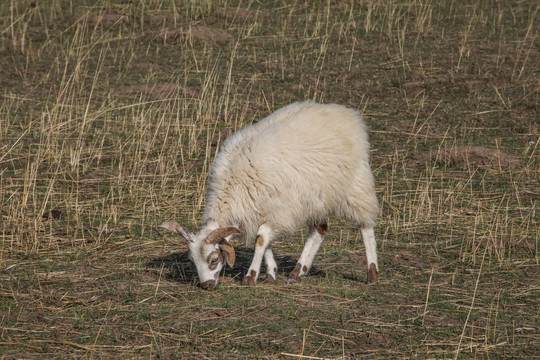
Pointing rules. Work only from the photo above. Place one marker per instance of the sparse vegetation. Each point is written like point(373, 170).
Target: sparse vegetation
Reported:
point(112, 111)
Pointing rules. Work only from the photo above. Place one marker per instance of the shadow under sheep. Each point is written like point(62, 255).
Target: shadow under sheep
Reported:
point(177, 266)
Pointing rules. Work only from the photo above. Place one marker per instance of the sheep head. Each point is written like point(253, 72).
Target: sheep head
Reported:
point(209, 252)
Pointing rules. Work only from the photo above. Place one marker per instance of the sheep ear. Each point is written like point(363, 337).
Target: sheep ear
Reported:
point(220, 233)
point(177, 228)
point(229, 250)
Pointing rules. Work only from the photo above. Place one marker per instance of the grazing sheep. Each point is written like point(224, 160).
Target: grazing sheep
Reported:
point(301, 164)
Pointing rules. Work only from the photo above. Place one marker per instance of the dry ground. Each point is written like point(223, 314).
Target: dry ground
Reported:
point(110, 115)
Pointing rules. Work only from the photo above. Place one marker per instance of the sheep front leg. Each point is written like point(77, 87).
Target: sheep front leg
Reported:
point(261, 246)
point(313, 243)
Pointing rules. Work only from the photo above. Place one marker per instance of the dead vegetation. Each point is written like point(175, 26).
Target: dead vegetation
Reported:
point(239, 15)
point(470, 158)
point(156, 91)
point(111, 113)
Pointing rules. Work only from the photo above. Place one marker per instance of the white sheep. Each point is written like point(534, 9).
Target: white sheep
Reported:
point(296, 167)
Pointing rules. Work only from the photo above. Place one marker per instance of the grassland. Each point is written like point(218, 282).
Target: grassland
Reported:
point(112, 111)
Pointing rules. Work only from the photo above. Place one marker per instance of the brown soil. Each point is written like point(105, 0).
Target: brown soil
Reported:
point(238, 15)
point(208, 35)
point(107, 19)
point(111, 18)
point(197, 34)
point(470, 157)
point(154, 90)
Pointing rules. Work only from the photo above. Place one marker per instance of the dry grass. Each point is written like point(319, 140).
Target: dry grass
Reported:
point(111, 114)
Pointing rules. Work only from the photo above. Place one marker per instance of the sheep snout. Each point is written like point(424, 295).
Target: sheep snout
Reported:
point(209, 285)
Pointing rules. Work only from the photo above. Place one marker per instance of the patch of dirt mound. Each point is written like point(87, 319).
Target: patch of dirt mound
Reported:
point(107, 19)
point(197, 34)
point(110, 18)
point(208, 35)
point(238, 15)
point(156, 90)
point(470, 157)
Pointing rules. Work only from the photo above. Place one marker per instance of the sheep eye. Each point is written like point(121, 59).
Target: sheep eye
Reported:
point(214, 261)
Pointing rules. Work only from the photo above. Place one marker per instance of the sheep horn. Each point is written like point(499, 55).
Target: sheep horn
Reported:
point(177, 228)
point(220, 233)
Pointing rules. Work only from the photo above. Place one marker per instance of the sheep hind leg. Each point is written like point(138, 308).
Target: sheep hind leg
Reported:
point(313, 243)
point(271, 265)
point(368, 235)
point(261, 245)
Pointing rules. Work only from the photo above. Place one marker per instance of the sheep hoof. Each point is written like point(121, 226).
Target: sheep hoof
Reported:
point(373, 274)
point(294, 276)
point(249, 280)
point(293, 279)
point(270, 279)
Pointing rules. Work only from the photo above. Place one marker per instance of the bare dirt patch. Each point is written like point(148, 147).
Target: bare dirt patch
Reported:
point(109, 18)
point(105, 19)
point(160, 19)
point(238, 15)
point(197, 34)
point(470, 157)
point(154, 90)
point(208, 35)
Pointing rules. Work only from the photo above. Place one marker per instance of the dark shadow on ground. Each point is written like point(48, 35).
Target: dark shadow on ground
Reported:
point(177, 266)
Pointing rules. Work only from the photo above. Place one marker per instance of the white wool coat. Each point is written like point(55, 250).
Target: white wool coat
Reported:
point(296, 167)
